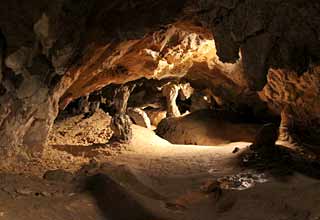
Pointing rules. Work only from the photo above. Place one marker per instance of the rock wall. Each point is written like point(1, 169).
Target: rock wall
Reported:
point(299, 93)
point(50, 44)
point(60, 50)
point(169, 52)
point(269, 33)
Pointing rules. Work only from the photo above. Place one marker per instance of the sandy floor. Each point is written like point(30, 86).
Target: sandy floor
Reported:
point(148, 179)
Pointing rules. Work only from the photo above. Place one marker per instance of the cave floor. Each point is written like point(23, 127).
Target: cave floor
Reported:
point(148, 179)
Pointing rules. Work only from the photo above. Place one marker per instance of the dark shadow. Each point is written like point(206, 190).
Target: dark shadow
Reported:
point(115, 202)
point(282, 163)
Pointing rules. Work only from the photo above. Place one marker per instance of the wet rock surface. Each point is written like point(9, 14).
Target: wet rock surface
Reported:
point(241, 181)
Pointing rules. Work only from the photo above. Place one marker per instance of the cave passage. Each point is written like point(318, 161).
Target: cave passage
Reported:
point(157, 109)
point(177, 110)
point(181, 138)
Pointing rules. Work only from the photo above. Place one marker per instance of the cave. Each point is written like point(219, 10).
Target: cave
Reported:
point(156, 109)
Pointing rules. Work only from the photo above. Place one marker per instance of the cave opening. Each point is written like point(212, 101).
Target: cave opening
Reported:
point(156, 109)
point(177, 109)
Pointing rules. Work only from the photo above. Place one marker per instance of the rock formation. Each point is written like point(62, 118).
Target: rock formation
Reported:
point(282, 26)
point(139, 117)
point(58, 51)
point(121, 123)
point(207, 128)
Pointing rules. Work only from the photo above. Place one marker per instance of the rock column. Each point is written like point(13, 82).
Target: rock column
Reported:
point(121, 123)
point(286, 130)
point(171, 92)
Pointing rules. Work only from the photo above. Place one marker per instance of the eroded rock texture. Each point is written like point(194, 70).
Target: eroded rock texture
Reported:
point(297, 97)
point(50, 44)
point(37, 38)
point(57, 51)
point(121, 123)
point(269, 33)
point(139, 117)
point(166, 53)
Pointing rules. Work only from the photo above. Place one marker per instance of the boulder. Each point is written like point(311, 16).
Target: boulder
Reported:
point(206, 127)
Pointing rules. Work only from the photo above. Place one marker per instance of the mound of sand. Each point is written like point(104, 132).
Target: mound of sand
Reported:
point(206, 128)
point(78, 130)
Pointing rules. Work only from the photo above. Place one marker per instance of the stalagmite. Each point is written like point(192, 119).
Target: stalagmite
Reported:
point(121, 123)
point(286, 129)
point(171, 92)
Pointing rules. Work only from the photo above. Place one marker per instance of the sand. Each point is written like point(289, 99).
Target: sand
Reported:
point(146, 179)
